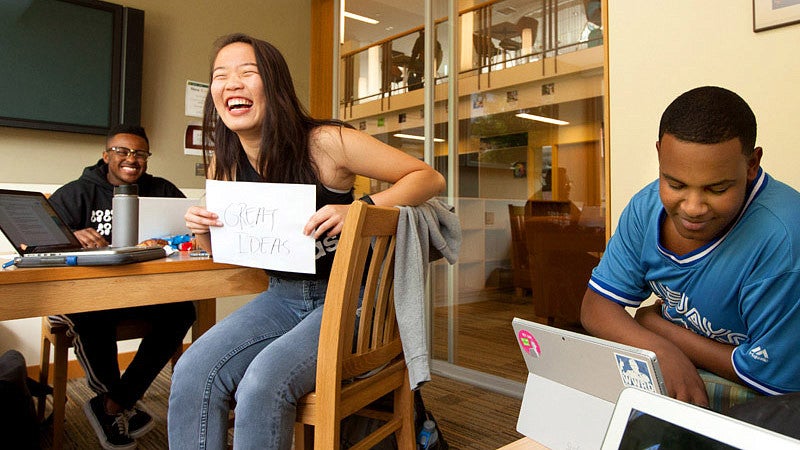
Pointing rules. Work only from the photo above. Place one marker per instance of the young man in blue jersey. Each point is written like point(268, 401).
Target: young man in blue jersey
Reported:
point(717, 240)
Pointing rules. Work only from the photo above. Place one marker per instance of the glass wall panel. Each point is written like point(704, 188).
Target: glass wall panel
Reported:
point(528, 151)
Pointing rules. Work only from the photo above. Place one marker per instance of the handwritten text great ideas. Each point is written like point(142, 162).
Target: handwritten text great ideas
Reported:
point(262, 224)
point(245, 218)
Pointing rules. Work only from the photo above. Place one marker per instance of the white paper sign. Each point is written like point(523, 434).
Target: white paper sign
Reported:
point(263, 224)
point(195, 98)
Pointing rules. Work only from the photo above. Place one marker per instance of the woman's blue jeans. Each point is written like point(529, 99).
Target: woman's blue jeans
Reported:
point(263, 356)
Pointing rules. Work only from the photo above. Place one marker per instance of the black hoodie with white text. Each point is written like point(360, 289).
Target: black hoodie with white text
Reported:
point(86, 202)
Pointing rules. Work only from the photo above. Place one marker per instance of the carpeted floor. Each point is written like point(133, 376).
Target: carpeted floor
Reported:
point(79, 434)
point(470, 418)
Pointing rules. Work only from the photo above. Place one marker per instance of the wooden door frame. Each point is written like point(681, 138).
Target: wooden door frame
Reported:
point(321, 64)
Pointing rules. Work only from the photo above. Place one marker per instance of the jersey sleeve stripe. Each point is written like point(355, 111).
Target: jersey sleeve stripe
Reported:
point(753, 383)
point(613, 294)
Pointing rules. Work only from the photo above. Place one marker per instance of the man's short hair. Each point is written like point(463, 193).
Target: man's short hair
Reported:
point(710, 115)
point(126, 128)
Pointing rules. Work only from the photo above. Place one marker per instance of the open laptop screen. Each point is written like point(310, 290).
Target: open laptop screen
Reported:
point(160, 217)
point(645, 421)
point(647, 432)
point(31, 224)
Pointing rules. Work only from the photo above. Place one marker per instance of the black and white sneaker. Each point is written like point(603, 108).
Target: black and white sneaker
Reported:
point(139, 421)
point(111, 429)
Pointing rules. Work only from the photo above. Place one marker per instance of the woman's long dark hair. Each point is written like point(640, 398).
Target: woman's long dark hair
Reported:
point(284, 155)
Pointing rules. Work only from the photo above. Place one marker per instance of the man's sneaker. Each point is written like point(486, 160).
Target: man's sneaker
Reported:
point(139, 421)
point(111, 430)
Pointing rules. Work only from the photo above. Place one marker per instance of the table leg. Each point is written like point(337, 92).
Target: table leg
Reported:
point(206, 316)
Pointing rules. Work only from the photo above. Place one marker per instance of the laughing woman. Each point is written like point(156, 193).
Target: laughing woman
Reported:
point(263, 356)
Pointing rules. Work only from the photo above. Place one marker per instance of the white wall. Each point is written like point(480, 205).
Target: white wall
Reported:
point(659, 50)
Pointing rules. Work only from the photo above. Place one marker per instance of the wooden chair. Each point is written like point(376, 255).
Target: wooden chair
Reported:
point(366, 249)
point(520, 263)
point(485, 49)
point(55, 334)
point(562, 209)
point(562, 257)
point(528, 27)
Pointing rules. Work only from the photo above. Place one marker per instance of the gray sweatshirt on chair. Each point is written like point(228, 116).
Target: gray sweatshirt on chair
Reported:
point(424, 233)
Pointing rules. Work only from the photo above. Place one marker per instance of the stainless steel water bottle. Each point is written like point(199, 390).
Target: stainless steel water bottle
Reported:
point(125, 216)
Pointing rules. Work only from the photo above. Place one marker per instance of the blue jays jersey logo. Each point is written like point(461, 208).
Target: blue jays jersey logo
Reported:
point(679, 310)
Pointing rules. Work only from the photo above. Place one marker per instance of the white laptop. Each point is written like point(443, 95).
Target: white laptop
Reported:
point(161, 217)
point(42, 239)
point(644, 421)
point(574, 381)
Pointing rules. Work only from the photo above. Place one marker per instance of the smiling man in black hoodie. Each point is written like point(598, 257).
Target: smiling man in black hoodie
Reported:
point(85, 205)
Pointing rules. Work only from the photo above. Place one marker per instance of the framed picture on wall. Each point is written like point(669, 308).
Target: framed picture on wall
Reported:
point(768, 14)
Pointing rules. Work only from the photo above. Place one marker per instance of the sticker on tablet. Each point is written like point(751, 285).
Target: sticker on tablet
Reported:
point(635, 373)
point(528, 343)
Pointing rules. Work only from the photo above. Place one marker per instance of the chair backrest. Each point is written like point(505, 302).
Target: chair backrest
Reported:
point(516, 217)
point(484, 46)
point(530, 23)
point(562, 256)
point(548, 208)
point(366, 249)
point(519, 247)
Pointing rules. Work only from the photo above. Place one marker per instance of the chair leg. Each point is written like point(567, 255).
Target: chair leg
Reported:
point(44, 371)
point(177, 355)
point(59, 389)
point(303, 436)
point(404, 405)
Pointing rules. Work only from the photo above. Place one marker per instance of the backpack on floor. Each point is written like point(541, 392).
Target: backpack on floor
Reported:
point(354, 427)
point(421, 415)
point(18, 424)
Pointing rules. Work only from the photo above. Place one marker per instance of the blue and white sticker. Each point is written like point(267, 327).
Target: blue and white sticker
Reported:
point(635, 373)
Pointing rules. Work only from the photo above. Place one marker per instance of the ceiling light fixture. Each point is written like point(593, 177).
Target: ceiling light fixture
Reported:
point(361, 18)
point(415, 137)
point(542, 119)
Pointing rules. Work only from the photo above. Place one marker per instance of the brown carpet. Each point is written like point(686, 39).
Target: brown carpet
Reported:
point(79, 434)
point(470, 418)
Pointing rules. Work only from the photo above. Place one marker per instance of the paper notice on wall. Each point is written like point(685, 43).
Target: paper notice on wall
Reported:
point(263, 224)
point(196, 93)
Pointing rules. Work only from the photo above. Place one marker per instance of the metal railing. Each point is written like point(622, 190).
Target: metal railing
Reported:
point(499, 41)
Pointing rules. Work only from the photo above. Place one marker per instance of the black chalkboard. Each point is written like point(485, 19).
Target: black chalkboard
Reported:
point(61, 64)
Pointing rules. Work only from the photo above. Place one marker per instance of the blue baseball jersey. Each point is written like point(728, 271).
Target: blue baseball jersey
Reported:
point(743, 288)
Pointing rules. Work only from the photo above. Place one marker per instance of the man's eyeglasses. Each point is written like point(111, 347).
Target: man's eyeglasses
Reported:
point(125, 152)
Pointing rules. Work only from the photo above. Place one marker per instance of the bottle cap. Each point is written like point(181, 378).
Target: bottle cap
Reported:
point(126, 189)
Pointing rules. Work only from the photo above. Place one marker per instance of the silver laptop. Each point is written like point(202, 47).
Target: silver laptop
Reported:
point(42, 239)
point(642, 420)
point(161, 217)
point(574, 381)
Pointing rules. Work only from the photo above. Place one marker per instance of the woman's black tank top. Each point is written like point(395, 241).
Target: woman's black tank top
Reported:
point(326, 245)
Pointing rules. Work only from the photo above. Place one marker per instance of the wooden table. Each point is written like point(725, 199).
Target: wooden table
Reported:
point(35, 292)
point(524, 444)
